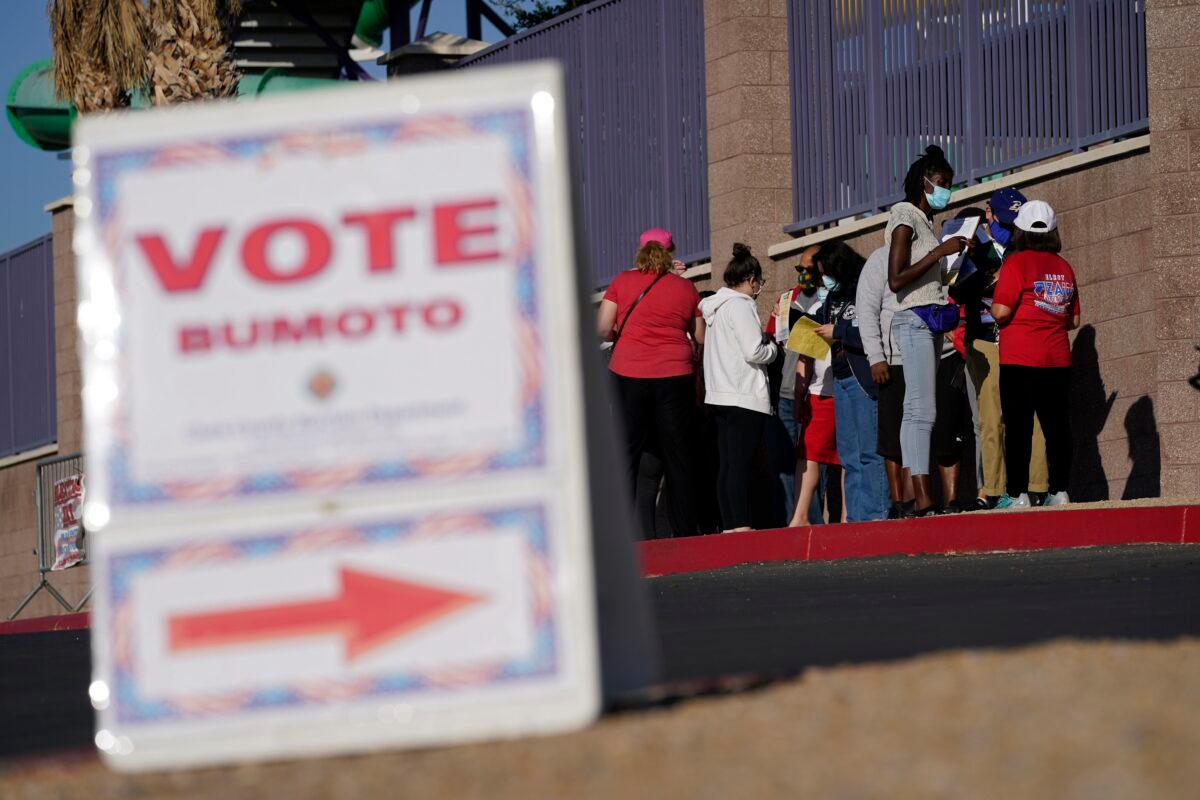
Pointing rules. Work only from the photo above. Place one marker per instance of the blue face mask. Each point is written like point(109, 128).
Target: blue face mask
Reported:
point(822, 293)
point(831, 284)
point(1000, 234)
point(939, 198)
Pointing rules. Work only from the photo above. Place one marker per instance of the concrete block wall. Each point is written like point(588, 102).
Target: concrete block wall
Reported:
point(1173, 56)
point(18, 522)
point(749, 129)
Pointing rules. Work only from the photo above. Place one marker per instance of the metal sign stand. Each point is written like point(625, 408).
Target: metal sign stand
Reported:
point(52, 469)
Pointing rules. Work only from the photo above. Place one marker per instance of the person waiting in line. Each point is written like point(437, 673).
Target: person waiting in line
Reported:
point(950, 427)
point(792, 304)
point(736, 354)
point(983, 356)
point(1036, 303)
point(818, 469)
point(915, 274)
point(875, 305)
point(650, 314)
point(854, 391)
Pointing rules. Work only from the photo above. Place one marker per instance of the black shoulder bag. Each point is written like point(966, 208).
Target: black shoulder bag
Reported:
point(624, 322)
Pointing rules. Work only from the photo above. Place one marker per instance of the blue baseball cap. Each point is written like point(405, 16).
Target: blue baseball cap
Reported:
point(1005, 203)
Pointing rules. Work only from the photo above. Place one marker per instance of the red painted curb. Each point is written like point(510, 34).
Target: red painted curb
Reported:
point(960, 533)
point(61, 622)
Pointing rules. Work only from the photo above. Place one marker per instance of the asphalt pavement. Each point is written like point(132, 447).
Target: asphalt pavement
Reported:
point(770, 620)
point(774, 619)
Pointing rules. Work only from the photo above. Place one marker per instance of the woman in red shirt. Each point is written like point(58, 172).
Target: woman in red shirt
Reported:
point(653, 361)
point(1036, 303)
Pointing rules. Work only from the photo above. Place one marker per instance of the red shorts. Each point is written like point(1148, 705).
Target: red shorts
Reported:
point(819, 441)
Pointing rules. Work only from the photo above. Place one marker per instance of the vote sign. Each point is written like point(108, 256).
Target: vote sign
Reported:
point(331, 384)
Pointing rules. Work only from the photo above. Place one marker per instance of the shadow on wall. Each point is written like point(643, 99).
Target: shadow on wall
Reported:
point(1142, 432)
point(1090, 407)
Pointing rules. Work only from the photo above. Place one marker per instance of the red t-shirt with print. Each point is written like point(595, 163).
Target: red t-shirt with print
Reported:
point(1041, 290)
point(654, 343)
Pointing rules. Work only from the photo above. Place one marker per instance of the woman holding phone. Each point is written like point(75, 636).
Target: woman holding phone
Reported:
point(915, 257)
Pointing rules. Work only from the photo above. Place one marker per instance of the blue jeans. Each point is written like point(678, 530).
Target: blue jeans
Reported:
point(857, 418)
point(788, 479)
point(816, 513)
point(919, 350)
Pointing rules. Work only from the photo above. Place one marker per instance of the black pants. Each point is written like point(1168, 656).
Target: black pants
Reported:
point(953, 412)
point(739, 435)
point(1045, 391)
point(649, 486)
point(663, 408)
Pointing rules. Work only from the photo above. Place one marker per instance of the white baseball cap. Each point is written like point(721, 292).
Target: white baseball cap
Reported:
point(1036, 216)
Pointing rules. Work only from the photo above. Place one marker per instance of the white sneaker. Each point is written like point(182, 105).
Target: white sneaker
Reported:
point(1006, 503)
point(1057, 499)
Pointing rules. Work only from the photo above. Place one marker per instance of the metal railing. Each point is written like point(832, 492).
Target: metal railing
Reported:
point(636, 110)
point(27, 377)
point(998, 84)
point(61, 538)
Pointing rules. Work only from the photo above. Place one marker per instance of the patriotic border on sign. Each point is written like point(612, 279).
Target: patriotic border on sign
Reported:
point(131, 706)
point(515, 127)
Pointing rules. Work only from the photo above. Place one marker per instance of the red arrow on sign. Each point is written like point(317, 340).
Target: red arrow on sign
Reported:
point(368, 611)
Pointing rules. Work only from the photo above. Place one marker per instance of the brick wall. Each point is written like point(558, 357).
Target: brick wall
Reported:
point(1173, 56)
point(749, 128)
point(18, 522)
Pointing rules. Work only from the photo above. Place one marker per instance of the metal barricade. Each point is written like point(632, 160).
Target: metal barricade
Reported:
point(61, 538)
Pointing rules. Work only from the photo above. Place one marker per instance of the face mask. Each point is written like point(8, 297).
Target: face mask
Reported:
point(1000, 234)
point(832, 284)
point(822, 293)
point(939, 198)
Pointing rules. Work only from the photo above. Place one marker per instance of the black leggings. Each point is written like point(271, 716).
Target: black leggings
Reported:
point(1045, 391)
point(739, 434)
point(662, 409)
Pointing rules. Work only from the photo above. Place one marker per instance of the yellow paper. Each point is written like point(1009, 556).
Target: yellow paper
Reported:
point(804, 340)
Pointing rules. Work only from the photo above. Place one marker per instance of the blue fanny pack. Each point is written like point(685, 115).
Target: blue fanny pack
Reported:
point(939, 319)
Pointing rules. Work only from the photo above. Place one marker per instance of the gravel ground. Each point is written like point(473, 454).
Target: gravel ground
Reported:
point(1063, 720)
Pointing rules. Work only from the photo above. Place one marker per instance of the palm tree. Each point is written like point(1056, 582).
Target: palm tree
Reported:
point(178, 50)
point(190, 56)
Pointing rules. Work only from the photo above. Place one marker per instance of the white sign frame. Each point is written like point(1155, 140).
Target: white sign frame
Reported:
point(139, 527)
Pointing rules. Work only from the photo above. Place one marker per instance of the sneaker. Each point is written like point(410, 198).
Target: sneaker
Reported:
point(900, 510)
point(1021, 501)
point(1057, 499)
point(932, 511)
point(1037, 499)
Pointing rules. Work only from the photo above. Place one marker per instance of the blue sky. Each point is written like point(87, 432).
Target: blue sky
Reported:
point(30, 178)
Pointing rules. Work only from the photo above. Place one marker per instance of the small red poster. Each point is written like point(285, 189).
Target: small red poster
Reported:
point(68, 530)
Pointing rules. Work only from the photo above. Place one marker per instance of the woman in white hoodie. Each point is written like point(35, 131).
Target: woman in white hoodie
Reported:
point(736, 355)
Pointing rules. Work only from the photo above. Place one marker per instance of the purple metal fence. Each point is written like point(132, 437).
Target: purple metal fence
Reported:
point(636, 105)
point(996, 83)
point(28, 414)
